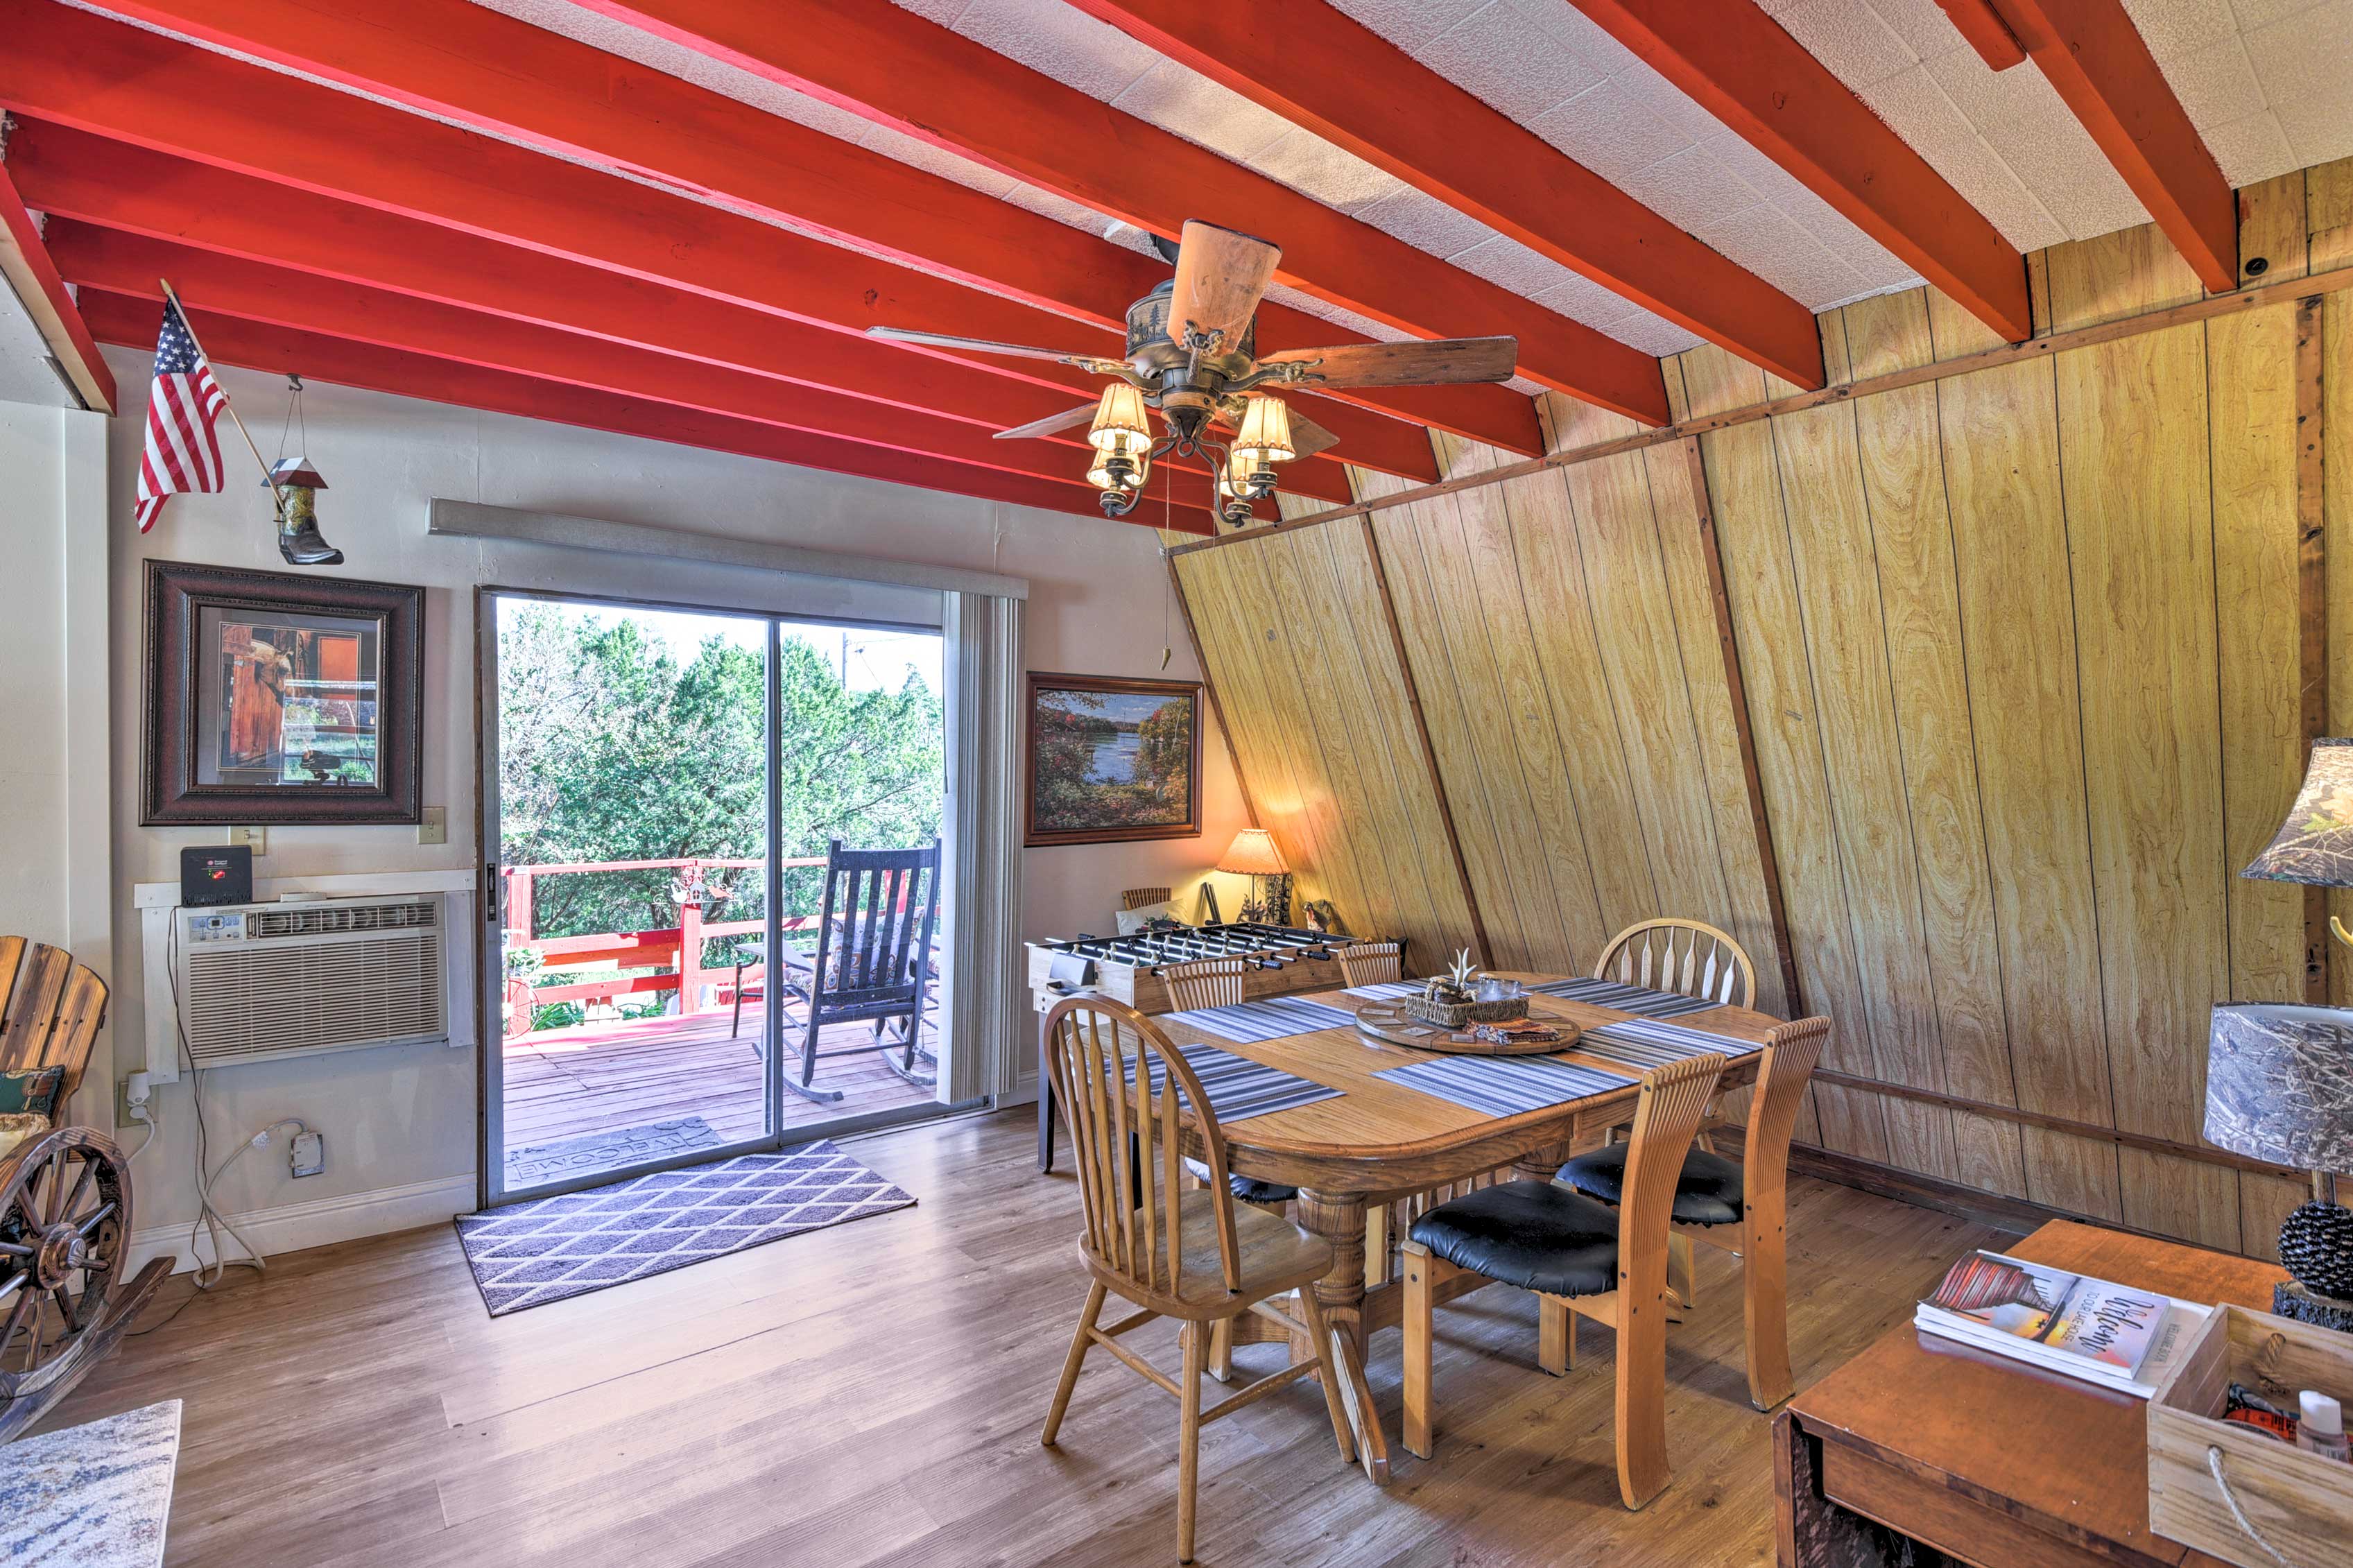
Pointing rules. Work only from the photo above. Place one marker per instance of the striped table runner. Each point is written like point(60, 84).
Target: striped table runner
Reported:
point(1387, 990)
point(1646, 1043)
point(1504, 1085)
point(1623, 998)
point(1238, 1088)
point(1271, 1020)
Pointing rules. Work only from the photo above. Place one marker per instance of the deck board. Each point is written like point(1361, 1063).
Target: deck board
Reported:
point(595, 1077)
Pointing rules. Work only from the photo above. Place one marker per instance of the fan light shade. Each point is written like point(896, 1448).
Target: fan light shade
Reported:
point(1233, 480)
point(1265, 435)
point(1252, 854)
point(1138, 467)
point(2279, 1084)
point(1120, 424)
point(2315, 844)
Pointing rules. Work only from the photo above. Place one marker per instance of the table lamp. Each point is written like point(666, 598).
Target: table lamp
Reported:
point(2279, 1078)
point(1252, 854)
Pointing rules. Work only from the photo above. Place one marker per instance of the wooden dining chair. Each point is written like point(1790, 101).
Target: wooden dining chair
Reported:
point(1691, 957)
point(1370, 963)
point(1204, 982)
point(1740, 1208)
point(1191, 1255)
point(1582, 1258)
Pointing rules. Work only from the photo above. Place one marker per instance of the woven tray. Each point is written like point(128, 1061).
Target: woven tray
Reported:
point(1388, 1021)
point(1462, 1014)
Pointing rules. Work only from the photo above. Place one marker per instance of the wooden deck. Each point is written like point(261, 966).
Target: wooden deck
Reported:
point(595, 1077)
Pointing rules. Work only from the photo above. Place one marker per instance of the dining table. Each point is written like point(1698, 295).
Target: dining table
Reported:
point(1378, 1141)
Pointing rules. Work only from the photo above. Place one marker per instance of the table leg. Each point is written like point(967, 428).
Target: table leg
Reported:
point(1339, 1218)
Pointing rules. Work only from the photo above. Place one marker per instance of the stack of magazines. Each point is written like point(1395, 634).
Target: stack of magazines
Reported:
point(2112, 1335)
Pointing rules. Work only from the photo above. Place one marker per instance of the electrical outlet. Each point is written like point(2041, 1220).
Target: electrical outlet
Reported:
point(433, 828)
point(308, 1155)
point(136, 1095)
point(252, 837)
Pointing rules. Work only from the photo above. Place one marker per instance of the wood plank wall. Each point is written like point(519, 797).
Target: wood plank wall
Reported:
point(2024, 683)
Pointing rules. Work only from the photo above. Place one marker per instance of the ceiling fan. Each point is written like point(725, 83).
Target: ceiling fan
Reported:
point(1192, 354)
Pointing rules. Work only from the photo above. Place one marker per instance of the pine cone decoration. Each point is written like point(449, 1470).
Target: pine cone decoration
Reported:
point(2315, 1245)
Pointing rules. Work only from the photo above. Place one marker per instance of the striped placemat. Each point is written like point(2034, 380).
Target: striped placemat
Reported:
point(1646, 1043)
point(1596, 991)
point(1240, 1088)
point(1387, 990)
point(1269, 1019)
point(1504, 1085)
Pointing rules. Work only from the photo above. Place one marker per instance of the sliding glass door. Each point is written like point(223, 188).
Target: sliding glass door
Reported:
point(662, 791)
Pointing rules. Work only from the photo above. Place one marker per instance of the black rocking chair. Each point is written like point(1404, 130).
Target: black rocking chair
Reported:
point(873, 958)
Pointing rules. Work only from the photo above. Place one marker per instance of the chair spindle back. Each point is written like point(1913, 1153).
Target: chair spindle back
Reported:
point(1691, 957)
point(874, 935)
point(1205, 983)
point(1371, 963)
point(1125, 1137)
point(50, 1010)
point(1139, 897)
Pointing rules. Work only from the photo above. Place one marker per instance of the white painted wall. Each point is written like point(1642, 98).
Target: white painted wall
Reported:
point(400, 1122)
point(53, 727)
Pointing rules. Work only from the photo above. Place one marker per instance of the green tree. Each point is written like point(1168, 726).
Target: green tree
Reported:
point(612, 749)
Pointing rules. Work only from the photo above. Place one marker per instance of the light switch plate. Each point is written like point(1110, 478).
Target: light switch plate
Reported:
point(434, 827)
point(255, 838)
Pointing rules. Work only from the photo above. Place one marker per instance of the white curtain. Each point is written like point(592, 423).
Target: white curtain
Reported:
point(985, 1006)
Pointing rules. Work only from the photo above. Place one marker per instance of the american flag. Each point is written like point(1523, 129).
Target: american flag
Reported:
point(183, 448)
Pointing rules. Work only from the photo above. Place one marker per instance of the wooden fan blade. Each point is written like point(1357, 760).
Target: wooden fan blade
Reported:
point(976, 345)
point(1221, 274)
point(1308, 437)
point(1053, 425)
point(1411, 363)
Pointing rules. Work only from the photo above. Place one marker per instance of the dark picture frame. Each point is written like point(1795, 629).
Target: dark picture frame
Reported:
point(1058, 808)
point(341, 673)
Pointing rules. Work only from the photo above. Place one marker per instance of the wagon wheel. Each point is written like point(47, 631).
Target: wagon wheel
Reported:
point(65, 1225)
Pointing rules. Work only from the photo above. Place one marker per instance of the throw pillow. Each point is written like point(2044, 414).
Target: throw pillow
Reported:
point(1133, 920)
point(30, 1091)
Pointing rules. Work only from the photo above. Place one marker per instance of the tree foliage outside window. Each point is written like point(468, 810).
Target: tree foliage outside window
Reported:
point(612, 747)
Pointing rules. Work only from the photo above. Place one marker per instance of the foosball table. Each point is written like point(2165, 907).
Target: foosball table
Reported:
point(1282, 960)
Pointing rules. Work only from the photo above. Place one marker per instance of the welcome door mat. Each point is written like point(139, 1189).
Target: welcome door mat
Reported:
point(586, 1153)
point(92, 1497)
point(529, 1254)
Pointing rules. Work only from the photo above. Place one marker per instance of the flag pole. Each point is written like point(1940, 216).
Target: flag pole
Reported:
point(277, 495)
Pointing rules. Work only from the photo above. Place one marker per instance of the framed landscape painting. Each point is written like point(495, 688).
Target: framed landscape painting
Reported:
point(1111, 759)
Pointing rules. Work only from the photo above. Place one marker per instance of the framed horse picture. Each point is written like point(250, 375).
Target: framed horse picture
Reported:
point(278, 698)
point(1110, 759)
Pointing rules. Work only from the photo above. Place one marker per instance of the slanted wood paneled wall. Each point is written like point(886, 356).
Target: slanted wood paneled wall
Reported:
point(2018, 688)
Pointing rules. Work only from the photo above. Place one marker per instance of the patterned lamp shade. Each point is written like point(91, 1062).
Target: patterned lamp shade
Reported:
point(2279, 1084)
point(2315, 844)
point(1252, 854)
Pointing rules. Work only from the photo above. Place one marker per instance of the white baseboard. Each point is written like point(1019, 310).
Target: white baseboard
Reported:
point(290, 1227)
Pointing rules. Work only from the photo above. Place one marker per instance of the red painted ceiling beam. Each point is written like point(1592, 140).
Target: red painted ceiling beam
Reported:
point(1321, 68)
point(462, 61)
point(1738, 64)
point(894, 67)
point(278, 351)
point(26, 266)
point(1977, 22)
point(2095, 57)
point(128, 264)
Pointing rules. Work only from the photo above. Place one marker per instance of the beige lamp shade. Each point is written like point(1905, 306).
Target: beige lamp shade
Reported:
point(1264, 438)
point(2315, 844)
point(1121, 423)
point(1139, 469)
point(1252, 854)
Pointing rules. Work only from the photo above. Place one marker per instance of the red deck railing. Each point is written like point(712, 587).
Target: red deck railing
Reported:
point(680, 946)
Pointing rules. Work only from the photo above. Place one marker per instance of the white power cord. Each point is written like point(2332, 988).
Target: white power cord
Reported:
point(212, 1222)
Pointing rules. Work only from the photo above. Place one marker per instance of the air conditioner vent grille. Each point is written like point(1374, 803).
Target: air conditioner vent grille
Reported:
point(319, 920)
point(316, 977)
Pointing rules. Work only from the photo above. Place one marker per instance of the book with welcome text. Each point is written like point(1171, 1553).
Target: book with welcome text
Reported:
point(2113, 1335)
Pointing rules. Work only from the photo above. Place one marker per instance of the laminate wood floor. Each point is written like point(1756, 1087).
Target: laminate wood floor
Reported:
point(871, 1396)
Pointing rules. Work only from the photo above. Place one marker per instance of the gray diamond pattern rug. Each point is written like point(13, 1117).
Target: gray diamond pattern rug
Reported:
point(529, 1254)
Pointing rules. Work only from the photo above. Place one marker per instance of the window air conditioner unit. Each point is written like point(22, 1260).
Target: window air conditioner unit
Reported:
point(262, 981)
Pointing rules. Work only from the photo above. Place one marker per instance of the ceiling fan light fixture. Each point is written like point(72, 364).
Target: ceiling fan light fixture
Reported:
point(1121, 426)
point(1265, 435)
point(1120, 470)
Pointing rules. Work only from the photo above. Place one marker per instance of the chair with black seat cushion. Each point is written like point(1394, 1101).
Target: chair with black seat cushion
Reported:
point(1712, 1192)
point(1582, 1258)
point(1194, 1255)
